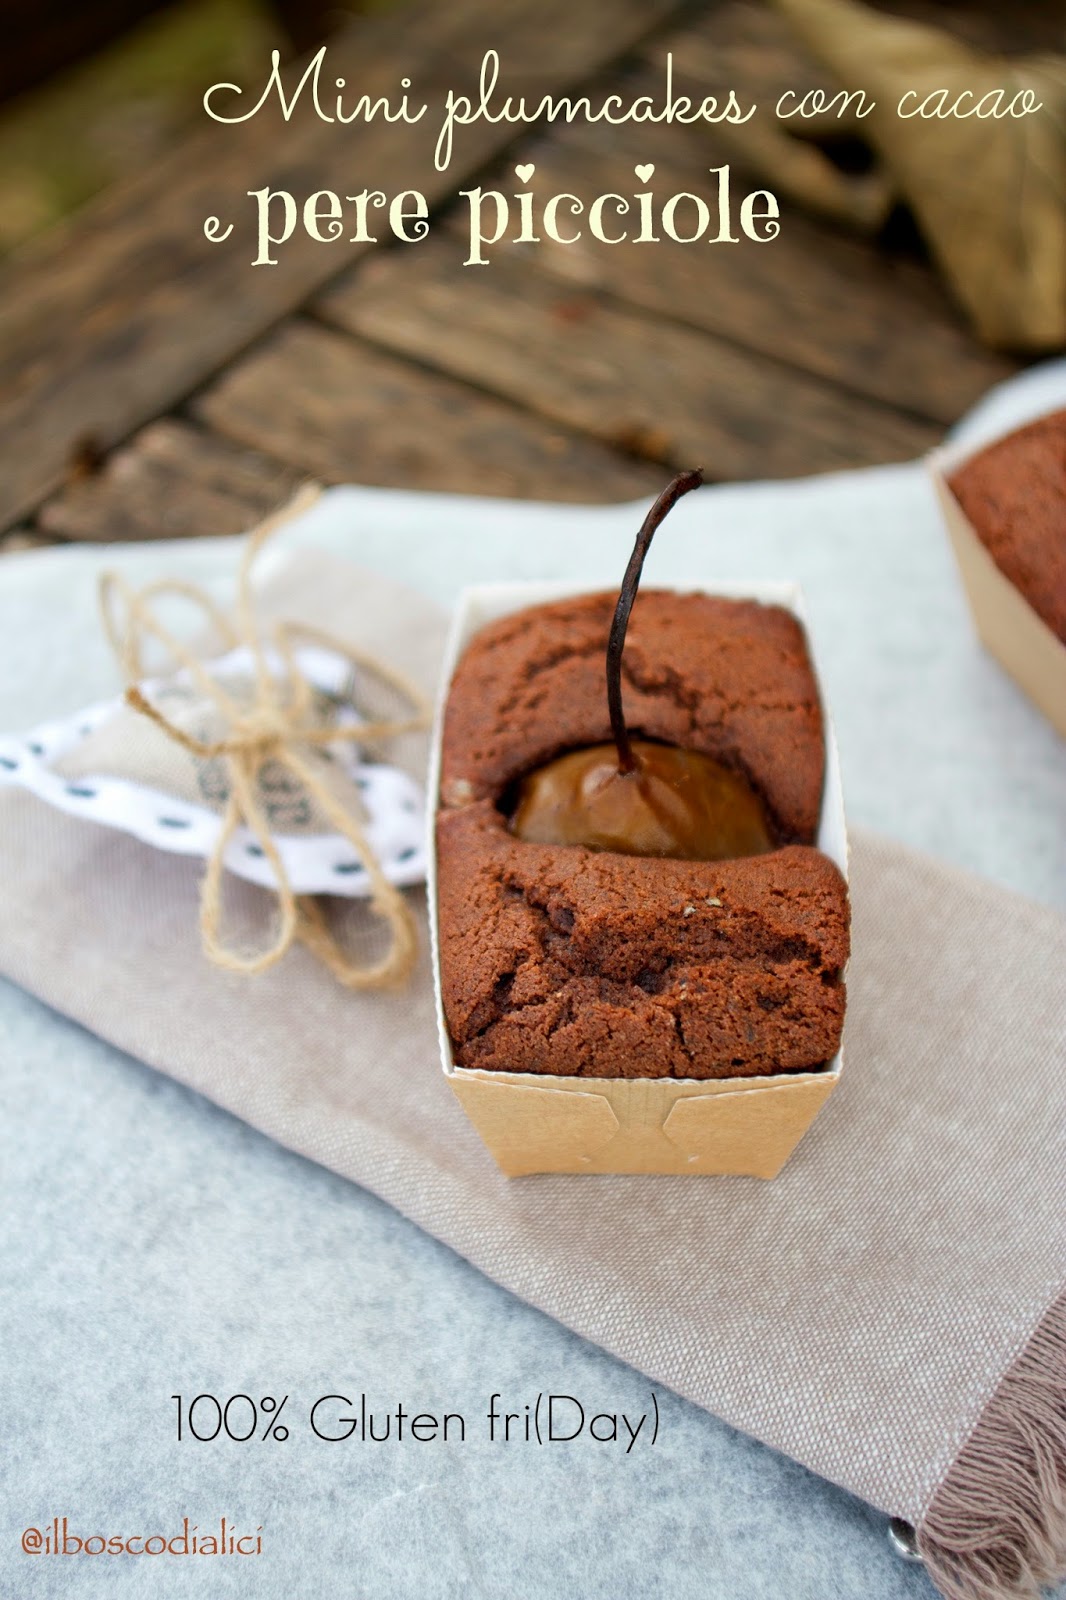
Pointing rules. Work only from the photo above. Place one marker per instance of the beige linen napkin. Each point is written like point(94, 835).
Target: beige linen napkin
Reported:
point(890, 1311)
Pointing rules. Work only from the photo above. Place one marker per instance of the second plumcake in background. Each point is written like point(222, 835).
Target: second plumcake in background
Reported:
point(1014, 493)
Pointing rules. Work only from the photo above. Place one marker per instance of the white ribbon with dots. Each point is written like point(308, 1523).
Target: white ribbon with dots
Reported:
point(315, 863)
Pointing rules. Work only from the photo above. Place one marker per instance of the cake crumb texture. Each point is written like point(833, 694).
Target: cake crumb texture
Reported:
point(560, 960)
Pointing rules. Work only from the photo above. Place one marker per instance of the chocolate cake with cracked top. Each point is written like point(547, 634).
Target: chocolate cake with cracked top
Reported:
point(559, 959)
point(1014, 494)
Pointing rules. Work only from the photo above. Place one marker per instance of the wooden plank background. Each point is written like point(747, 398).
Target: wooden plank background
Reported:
point(154, 384)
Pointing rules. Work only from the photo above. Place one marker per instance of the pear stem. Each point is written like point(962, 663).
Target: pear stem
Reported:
point(680, 485)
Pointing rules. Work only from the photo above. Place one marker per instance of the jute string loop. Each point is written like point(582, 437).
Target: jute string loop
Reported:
point(274, 727)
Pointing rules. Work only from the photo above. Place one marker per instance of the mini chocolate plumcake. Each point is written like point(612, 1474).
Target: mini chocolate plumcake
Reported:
point(655, 906)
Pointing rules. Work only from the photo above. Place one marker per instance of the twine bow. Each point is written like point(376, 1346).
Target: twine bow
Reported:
point(275, 726)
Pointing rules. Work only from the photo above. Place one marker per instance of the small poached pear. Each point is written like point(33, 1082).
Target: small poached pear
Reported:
point(634, 796)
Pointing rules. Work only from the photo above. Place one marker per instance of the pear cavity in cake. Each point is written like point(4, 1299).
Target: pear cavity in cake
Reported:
point(673, 802)
point(634, 796)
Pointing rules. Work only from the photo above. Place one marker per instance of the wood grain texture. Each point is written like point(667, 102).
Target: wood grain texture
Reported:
point(673, 394)
point(172, 481)
point(328, 405)
point(116, 317)
point(841, 309)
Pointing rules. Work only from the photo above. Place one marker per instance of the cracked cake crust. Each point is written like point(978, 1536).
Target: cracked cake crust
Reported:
point(561, 960)
point(729, 678)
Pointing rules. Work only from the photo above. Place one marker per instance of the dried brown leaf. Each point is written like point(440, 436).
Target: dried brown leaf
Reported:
point(989, 195)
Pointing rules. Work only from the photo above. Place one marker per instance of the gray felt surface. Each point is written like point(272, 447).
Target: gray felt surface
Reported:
point(159, 1246)
point(153, 1245)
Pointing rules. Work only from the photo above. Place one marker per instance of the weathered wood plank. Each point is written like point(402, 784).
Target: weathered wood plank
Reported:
point(672, 393)
point(119, 315)
point(838, 308)
point(875, 318)
point(332, 407)
point(171, 481)
point(741, 44)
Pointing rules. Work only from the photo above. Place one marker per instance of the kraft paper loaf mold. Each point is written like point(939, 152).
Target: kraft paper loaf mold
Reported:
point(740, 1126)
point(1006, 623)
